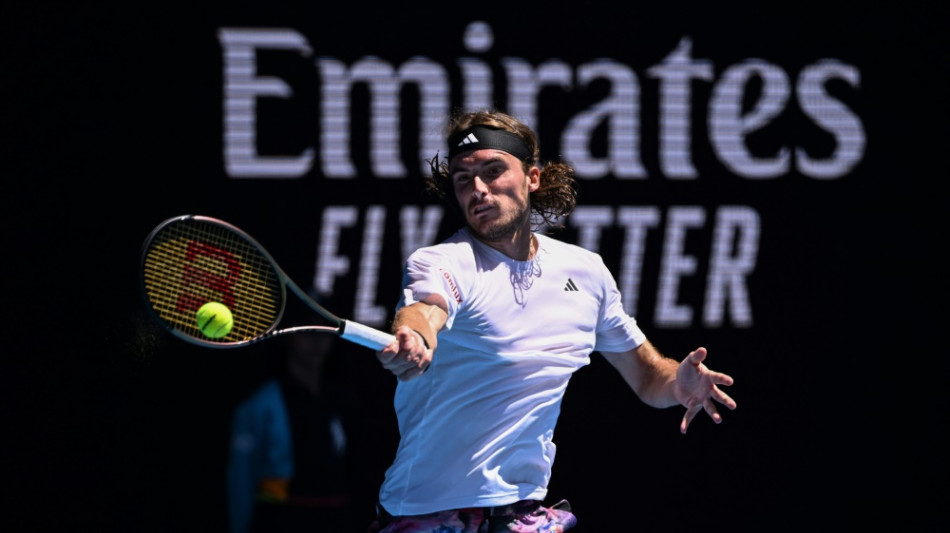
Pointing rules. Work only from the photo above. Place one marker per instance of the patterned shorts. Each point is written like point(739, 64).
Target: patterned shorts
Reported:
point(520, 517)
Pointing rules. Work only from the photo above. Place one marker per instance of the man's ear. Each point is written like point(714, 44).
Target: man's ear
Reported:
point(534, 178)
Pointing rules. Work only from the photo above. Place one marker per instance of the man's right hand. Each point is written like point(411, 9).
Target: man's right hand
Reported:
point(406, 357)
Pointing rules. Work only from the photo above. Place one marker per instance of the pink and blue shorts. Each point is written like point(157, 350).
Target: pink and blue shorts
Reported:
point(526, 516)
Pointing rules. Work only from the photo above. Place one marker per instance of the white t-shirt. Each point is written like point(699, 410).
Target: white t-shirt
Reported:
point(476, 429)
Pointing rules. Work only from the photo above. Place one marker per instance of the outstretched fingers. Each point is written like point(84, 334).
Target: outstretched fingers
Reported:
point(697, 356)
point(706, 405)
point(706, 392)
point(688, 417)
point(722, 397)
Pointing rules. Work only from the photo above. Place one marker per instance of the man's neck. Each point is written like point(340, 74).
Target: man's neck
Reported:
point(521, 247)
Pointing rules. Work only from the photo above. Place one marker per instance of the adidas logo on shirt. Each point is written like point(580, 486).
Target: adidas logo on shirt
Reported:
point(469, 139)
point(570, 285)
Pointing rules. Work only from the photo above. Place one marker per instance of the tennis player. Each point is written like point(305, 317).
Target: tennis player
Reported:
point(490, 326)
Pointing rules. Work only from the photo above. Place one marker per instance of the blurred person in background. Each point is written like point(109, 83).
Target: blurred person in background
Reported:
point(291, 461)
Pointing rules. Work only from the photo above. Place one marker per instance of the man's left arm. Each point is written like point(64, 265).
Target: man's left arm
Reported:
point(660, 381)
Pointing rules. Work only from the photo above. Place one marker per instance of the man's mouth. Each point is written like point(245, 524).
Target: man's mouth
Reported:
point(479, 209)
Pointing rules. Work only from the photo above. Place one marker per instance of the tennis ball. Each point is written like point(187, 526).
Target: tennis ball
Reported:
point(214, 320)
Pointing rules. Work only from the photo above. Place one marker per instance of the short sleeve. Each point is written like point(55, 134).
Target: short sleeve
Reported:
point(617, 331)
point(439, 270)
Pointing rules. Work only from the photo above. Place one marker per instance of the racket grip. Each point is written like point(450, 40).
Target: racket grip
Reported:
point(365, 335)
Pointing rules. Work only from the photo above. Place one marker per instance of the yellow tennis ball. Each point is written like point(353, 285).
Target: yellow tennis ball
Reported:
point(214, 320)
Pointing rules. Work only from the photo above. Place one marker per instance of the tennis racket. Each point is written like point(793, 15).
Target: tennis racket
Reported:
point(190, 260)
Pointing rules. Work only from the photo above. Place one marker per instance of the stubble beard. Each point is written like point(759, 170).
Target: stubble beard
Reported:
point(504, 229)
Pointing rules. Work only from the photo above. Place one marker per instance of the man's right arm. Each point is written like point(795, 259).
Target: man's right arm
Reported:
point(425, 318)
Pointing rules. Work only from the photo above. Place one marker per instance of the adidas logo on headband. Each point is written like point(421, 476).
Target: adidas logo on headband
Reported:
point(469, 139)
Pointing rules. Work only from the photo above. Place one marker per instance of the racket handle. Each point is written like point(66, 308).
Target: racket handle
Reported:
point(365, 335)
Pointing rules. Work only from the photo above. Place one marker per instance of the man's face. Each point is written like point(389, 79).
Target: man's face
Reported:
point(492, 190)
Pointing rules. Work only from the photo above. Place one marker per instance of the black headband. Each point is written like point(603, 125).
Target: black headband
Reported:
point(482, 137)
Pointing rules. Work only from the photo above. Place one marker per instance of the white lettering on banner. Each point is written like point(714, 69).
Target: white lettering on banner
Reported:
point(675, 264)
point(636, 222)
point(385, 139)
point(828, 113)
point(728, 126)
point(620, 110)
point(730, 264)
point(366, 310)
point(242, 87)
point(675, 73)
point(734, 249)
point(729, 123)
point(330, 264)
point(477, 77)
point(414, 234)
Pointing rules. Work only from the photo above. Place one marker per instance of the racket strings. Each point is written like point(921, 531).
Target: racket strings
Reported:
point(190, 262)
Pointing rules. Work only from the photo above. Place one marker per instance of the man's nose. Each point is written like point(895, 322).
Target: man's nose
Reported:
point(479, 187)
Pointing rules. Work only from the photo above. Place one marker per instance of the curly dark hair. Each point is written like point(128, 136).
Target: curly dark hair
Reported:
point(556, 196)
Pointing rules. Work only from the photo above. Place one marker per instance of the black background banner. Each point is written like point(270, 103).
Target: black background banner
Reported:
point(119, 117)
